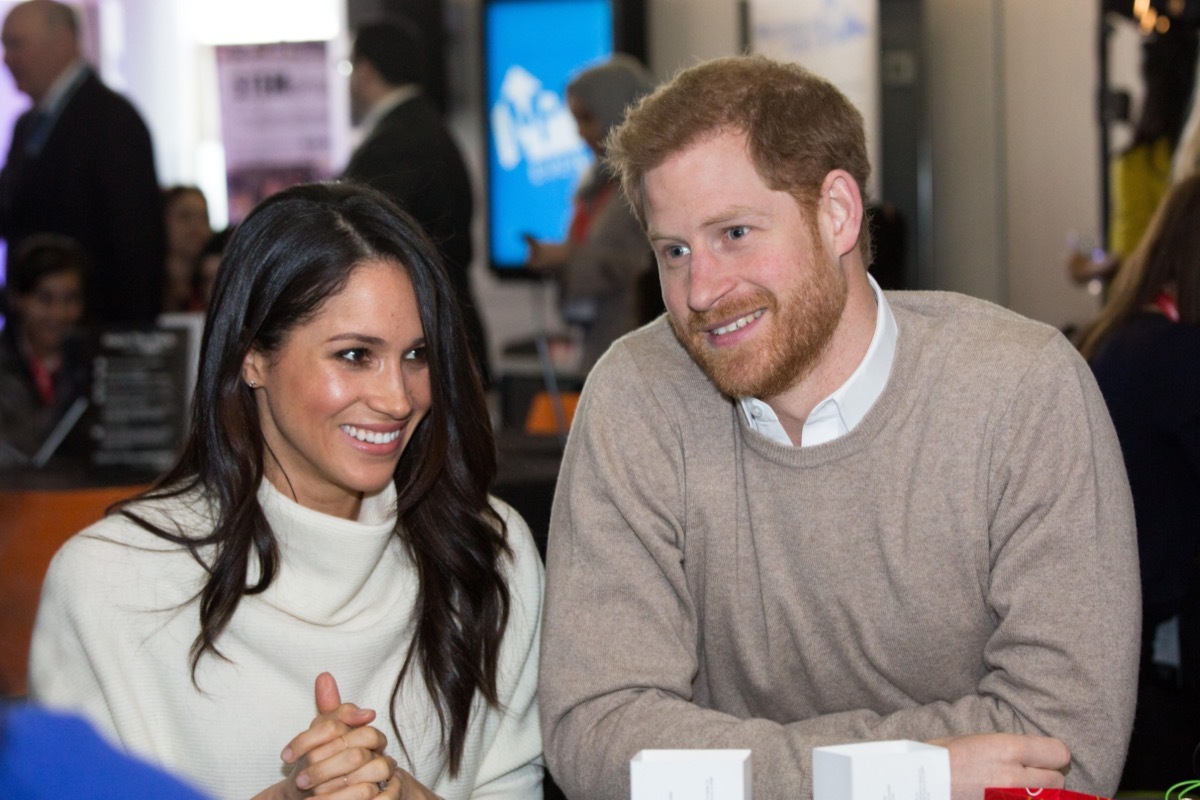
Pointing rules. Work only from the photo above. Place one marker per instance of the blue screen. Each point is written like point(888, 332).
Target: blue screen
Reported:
point(535, 156)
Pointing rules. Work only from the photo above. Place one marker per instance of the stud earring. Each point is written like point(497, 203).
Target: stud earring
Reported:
point(252, 384)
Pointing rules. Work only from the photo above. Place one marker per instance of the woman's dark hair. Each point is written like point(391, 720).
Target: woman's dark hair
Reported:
point(1167, 256)
point(292, 253)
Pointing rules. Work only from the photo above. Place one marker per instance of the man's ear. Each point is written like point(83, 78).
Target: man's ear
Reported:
point(841, 210)
point(254, 369)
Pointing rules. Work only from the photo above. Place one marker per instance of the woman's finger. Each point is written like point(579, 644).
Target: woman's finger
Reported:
point(326, 728)
point(348, 771)
point(365, 738)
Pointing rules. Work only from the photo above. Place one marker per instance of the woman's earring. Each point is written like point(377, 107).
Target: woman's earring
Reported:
point(252, 384)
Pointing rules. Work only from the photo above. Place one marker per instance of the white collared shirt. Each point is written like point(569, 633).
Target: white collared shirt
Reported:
point(62, 88)
point(841, 411)
point(384, 107)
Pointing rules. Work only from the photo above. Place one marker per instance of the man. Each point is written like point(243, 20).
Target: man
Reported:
point(408, 154)
point(81, 164)
point(797, 512)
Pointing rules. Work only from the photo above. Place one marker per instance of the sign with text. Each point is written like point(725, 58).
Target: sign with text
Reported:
point(275, 118)
point(139, 399)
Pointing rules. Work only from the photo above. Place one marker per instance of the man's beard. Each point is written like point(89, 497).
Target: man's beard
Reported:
point(802, 325)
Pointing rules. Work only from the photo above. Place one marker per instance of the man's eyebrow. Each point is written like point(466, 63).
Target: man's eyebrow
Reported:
point(722, 217)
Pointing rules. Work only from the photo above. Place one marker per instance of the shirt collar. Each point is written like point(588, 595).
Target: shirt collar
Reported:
point(384, 105)
point(62, 88)
point(841, 411)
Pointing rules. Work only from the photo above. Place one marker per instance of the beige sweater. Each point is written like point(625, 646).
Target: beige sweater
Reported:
point(963, 561)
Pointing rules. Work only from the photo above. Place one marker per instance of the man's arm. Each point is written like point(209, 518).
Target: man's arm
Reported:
point(621, 628)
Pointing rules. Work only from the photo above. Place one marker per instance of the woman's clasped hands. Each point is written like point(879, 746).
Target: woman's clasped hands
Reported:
point(341, 756)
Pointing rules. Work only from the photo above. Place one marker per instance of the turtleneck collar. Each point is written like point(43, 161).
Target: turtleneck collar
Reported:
point(331, 568)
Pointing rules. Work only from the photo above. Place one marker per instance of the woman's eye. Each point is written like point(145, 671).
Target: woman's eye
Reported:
point(355, 355)
point(416, 354)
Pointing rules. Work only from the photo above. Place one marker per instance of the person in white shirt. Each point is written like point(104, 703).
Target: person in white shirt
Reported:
point(327, 532)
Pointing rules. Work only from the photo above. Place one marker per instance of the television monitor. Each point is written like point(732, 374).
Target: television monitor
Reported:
point(531, 50)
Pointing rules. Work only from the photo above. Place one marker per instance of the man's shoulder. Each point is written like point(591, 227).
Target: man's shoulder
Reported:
point(648, 372)
point(958, 341)
point(651, 354)
point(968, 322)
point(95, 101)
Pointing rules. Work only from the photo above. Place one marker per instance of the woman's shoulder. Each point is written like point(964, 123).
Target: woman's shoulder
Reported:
point(120, 547)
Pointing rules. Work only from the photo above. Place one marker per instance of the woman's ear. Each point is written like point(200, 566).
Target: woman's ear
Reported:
point(254, 369)
point(842, 209)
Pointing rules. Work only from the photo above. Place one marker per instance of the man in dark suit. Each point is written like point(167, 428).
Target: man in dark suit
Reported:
point(81, 164)
point(408, 154)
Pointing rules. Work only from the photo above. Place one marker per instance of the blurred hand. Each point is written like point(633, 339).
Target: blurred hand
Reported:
point(545, 256)
point(978, 761)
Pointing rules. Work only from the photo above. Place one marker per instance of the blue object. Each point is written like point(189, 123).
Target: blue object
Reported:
point(532, 49)
point(45, 754)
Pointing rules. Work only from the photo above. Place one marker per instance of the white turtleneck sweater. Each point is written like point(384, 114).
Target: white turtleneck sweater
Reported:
point(117, 618)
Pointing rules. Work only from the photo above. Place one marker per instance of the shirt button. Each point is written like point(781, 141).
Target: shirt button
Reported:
point(756, 411)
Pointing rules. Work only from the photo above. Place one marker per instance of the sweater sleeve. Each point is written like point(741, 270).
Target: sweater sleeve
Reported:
point(620, 656)
point(512, 761)
point(61, 670)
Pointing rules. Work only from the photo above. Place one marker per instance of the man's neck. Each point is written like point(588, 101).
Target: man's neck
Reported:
point(385, 102)
point(845, 351)
point(52, 99)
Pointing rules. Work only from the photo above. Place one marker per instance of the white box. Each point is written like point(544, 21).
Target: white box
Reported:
point(900, 770)
point(690, 775)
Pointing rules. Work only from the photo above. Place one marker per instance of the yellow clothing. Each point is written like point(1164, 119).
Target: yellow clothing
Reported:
point(1140, 179)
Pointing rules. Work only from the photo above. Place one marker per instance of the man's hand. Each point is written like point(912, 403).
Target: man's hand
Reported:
point(981, 760)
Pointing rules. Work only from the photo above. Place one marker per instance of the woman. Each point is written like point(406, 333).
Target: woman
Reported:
point(329, 519)
point(43, 364)
point(1141, 175)
point(188, 231)
point(1145, 352)
point(606, 253)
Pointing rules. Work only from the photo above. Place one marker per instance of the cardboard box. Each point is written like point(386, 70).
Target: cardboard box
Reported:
point(690, 775)
point(899, 770)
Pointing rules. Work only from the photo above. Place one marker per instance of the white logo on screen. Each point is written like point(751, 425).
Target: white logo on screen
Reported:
point(532, 124)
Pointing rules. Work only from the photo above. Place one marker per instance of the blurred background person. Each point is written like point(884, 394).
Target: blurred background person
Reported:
point(407, 153)
point(81, 164)
point(208, 264)
point(188, 231)
point(1141, 174)
point(43, 363)
point(1145, 351)
point(327, 529)
point(603, 262)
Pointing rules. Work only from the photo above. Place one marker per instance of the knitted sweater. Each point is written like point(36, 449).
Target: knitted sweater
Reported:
point(963, 561)
point(117, 618)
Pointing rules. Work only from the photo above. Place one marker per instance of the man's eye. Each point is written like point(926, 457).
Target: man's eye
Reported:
point(677, 251)
point(738, 232)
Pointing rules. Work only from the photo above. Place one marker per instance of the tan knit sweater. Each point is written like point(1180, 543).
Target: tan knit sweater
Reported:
point(963, 561)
